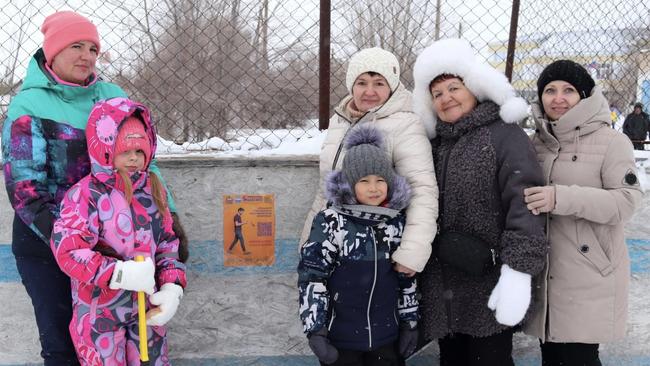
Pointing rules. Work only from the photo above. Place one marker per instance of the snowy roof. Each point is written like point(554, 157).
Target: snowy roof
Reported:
point(595, 42)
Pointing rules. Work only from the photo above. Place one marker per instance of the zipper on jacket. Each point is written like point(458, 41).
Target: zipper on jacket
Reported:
point(443, 182)
point(352, 124)
point(338, 151)
point(447, 293)
point(329, 326)
point(372, 289)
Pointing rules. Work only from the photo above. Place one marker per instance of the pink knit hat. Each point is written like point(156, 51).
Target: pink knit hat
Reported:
point(132, 136)
point(63, 28)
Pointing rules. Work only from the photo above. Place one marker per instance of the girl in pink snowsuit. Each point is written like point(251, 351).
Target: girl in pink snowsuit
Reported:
point(110, 216)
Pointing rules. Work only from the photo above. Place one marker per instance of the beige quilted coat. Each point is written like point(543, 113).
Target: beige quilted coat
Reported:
point(582, 294)
point(407, 144)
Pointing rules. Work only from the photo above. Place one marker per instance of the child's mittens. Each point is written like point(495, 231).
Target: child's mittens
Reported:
point(510, 298)
point(408, 341)
point(321, 346)
point(134, 276)
point(167, 301)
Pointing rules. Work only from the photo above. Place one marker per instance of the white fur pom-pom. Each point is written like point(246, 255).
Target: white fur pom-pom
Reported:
point(514, 110)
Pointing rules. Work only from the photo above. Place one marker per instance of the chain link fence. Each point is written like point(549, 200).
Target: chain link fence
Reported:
point(242, 74)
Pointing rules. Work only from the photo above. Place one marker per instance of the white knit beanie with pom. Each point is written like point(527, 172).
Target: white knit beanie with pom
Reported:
point(373, 60)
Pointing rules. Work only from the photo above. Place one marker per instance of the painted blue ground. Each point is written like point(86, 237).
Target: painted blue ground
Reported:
point(206, 257)
point(640, 254)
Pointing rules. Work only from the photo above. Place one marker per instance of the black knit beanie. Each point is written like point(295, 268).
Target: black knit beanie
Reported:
point(569, 71)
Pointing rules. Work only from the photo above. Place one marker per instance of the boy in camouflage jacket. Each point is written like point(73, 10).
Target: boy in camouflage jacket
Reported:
point(355, 309)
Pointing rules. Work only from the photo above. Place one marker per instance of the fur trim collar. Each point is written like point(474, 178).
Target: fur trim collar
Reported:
point(339, 192)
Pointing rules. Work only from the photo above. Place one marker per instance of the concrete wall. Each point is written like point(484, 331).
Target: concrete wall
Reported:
point(225, 310)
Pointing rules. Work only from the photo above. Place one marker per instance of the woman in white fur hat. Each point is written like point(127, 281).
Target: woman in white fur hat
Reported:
point(377, 96)
point(476, 286)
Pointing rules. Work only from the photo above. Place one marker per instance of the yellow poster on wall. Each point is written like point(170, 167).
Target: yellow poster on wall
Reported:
point(248, 230)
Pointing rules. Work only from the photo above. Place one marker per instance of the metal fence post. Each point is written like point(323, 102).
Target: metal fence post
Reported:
point(512, 39)
point(324, 65)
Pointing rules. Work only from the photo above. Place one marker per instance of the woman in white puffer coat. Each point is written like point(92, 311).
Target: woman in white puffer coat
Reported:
point(377, 96)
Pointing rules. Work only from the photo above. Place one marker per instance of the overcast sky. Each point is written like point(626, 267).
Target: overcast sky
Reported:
point(481, 21)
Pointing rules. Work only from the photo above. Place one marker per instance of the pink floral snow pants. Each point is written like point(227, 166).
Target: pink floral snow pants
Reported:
point(111, 337)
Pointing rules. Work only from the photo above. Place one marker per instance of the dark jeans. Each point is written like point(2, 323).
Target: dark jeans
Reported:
point(238, 237)
point(465, 350)
point(387, 355)
point(49, 290)
point(574, 354)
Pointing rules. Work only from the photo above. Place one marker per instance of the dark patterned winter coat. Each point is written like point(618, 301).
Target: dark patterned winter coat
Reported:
point(346, 278)
point(482, 167)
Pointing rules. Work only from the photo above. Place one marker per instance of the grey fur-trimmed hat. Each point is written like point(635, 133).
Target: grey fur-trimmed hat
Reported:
point(365, 155)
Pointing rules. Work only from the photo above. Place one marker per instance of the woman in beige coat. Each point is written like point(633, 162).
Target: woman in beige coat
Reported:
point(592, 191)
point(377, 96)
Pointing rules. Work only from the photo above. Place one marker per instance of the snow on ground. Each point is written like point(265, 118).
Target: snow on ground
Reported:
point(302, 140)
point(258, 143)
point(305, 140)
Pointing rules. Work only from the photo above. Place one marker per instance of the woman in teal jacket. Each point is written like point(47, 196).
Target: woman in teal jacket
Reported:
point(44, 153)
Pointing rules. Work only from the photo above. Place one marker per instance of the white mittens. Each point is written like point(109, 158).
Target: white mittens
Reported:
point(134, 276)
point(139, 276)
point(167, 300)
point(511, 296)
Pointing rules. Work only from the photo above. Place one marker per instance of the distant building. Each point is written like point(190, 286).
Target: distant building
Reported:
point(612, 56)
